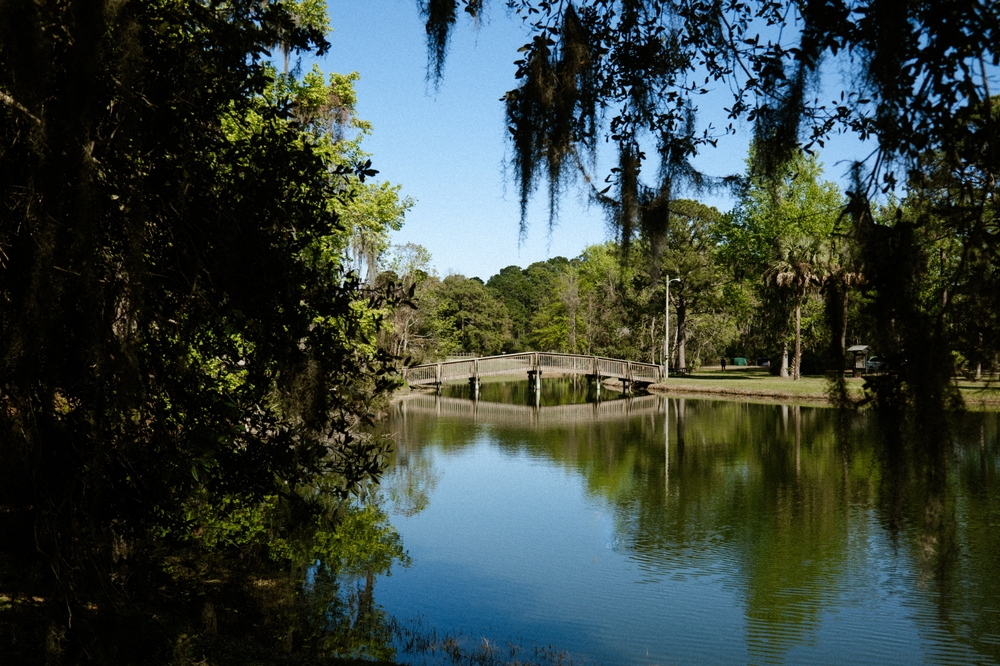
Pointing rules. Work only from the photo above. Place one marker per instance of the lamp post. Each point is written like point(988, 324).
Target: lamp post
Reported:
point(666, 329)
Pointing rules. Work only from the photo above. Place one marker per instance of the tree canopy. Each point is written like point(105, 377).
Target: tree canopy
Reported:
point(913, 76)
point(182, 341)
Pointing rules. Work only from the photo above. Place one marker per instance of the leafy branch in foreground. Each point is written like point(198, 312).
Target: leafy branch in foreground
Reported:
point(175, 330)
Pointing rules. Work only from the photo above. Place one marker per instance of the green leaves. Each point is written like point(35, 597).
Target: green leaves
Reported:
point(176, 313)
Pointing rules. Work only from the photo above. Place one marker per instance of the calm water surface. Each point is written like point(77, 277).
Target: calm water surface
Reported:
point(680, 531)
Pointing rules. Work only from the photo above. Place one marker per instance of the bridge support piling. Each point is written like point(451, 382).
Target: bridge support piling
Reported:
point(594, 386)
point(474, 385)
point(535, 379)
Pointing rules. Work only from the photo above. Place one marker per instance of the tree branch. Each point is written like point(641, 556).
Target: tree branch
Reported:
point(11, 102)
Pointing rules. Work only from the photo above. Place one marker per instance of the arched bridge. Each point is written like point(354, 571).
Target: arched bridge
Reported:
point(596, 368)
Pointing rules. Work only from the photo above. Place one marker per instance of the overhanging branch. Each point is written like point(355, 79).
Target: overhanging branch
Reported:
point(13, 103)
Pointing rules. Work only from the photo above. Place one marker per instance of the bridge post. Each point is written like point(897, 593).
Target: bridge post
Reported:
point(535, 379)
point(594, 378)
point(535, 374)
point(474, 382)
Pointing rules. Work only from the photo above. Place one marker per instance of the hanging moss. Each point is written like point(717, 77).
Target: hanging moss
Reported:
point(440, 17)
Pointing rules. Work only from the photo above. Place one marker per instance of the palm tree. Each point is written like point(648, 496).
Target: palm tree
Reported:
point(839, 275)
point(796, 266)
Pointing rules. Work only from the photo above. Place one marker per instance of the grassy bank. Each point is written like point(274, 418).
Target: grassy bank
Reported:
point(758, 383)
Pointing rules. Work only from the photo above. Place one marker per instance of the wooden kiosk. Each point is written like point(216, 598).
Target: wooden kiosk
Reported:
point(861, 353)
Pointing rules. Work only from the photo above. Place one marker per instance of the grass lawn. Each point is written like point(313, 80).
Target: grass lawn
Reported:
point(753, 382)
point(984, 394)
point(759, 383)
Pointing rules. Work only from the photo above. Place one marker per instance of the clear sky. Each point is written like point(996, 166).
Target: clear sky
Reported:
point(447, 147)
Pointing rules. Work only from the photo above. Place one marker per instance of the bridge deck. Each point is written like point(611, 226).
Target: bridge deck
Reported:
point(533, 362)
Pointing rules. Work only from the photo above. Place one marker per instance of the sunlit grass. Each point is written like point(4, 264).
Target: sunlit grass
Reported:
point(984, 392)
point(758, 382)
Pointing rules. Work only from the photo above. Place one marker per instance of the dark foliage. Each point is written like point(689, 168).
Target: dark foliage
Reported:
point(169, 327)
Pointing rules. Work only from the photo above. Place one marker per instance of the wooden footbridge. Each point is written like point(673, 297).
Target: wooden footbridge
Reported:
point(595, 368)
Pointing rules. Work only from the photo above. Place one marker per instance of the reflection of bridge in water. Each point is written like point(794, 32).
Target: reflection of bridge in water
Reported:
point(502, 413)
point(507, 414)
point(594, 368)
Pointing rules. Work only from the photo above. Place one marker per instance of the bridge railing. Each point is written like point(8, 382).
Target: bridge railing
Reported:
point(431, 373)
point(646, 372)
point(610, 367)
point(572, 363)
point(464, 369)
point(421, 374)
point(505, 365)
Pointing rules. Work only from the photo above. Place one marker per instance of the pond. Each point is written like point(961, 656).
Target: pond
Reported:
point(655, 530)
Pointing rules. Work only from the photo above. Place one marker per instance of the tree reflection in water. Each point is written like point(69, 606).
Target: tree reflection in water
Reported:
point(785, 504)
point(810, 513)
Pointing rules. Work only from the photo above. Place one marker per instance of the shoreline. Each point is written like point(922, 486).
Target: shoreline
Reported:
point(755, 384)
point(817, 391)
point(731, 392)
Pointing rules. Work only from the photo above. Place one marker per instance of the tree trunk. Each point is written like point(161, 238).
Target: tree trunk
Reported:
point(797, 370)
point(674, 346)
point(784, 359)
point(843, 321)
point(979, 362)
point(652, 340)
point(681, 335)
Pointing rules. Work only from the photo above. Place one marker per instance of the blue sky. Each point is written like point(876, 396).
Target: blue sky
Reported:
point(447, 147)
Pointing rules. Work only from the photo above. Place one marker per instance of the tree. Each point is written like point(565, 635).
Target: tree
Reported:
point(796, 268)
point(462, 315)
point(527, 293)
point(513, 287)
point(690, 256)
point(367, 211)
point(633, 73)
point(175, 333)
point(409, 264)
point(556, 326)
point(611, 321)
point(795, 212)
